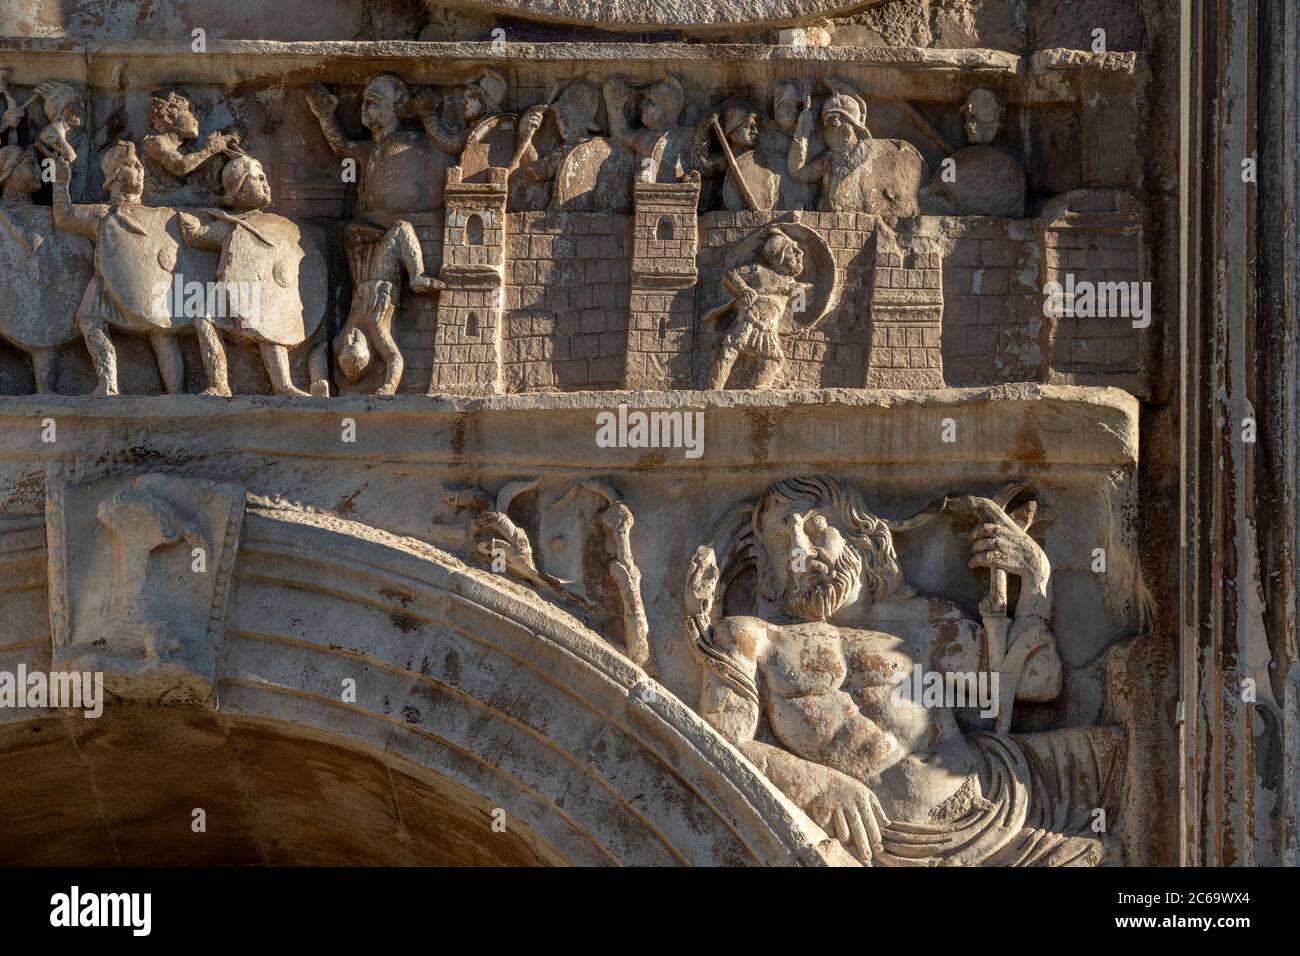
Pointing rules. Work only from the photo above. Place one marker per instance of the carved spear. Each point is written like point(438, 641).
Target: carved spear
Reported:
point(731, 163)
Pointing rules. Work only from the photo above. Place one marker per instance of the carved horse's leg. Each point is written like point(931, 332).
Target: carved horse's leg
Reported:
point(214, 358)
point(171, 364)
point(43, 370)
point(276, 360)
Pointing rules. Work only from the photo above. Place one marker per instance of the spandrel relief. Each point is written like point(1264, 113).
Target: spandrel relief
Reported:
point(818, 683)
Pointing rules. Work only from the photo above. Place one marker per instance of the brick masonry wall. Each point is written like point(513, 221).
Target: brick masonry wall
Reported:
point(993, 325)
point(566, 299)
point(568, 293)
point(1090, 346)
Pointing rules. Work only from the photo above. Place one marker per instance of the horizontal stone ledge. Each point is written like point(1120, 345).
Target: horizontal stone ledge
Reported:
point(921, 73)
point(1021, 427)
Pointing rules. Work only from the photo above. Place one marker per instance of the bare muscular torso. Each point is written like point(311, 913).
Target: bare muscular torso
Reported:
point(851, 673)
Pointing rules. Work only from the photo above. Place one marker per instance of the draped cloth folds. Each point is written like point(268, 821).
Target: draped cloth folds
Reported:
point(1039, 809)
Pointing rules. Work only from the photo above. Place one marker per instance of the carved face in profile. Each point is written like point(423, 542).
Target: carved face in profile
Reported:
point(174, 114)
point(742, 128)
point(67, 107)
point(661, 105)
point(245, 185)
point(784, 255)
point(474, 104)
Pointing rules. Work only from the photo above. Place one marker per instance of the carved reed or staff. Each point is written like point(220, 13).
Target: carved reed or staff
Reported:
point(741, 185)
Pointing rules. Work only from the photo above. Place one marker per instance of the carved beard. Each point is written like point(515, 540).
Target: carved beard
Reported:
point(818, 594)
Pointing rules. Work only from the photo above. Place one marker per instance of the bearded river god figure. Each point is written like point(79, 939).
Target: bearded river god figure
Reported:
point(815, 687)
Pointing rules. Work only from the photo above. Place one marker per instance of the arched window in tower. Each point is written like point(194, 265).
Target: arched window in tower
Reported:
point(474, 230)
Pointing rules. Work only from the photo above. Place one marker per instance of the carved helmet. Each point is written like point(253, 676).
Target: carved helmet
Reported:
point(736, 114)
point(851, 109)
point(235, 173)
point(354, 354)
point(584, 99)
point(670, 95)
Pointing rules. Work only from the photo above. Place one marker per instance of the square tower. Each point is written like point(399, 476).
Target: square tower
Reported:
point(906, 311)
point(661, 319)
point(468, 348)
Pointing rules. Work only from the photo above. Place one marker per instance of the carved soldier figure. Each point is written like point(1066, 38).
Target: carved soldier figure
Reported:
point(486, 130)
point(746, 184)
point(19, 180)
point(273, 282)
point(761, 296)
point(587, 172)
point(398, 170)
point(982, 180)
point(663, 148)
point(857, 172)
point(167, 169)
point(824, 664)
point(377, 258)
point(774, 142)
point(136, 251)
point(37, 316)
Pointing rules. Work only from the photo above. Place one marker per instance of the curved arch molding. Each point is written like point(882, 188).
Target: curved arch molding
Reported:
point(462, 678)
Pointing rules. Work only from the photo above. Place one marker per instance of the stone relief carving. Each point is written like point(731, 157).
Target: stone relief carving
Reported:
point(983, 180)
point(658, 157)
point(137, 249)
point(589, 519)
point(586, 171)
point(762, 294)
point(812, 683)
point(45, 271)
point(790, 281)
point(664, 149)
point(857, 171)
point(167, 168)
point(399, 169)
point(144, 602)
point(269, 256)
point(377, 258)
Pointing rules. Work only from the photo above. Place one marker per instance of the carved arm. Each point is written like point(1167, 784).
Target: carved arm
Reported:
point(82, 219)
point(323, 104)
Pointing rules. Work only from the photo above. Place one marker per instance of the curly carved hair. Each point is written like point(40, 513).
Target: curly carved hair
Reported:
point(862, 529)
